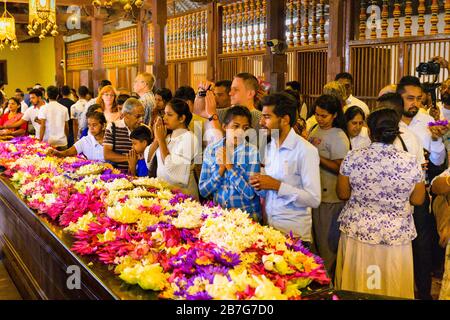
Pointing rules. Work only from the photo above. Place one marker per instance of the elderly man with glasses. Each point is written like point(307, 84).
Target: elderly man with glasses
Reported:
point(117, 142)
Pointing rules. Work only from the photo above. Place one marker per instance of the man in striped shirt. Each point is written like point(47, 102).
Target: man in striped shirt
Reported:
point(117, 143)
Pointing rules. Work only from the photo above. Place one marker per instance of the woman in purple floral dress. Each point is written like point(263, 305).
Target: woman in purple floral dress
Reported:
point(377, 227)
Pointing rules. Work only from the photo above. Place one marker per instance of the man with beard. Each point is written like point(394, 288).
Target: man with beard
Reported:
point(291, 184)
point(431, 139)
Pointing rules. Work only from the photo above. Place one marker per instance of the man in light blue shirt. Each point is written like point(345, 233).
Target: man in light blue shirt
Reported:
point(291, 184)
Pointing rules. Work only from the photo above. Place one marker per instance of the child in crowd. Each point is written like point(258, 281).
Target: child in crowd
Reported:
point(121, 100)
point(141, 138)
point(92, 144)
point(93, 108)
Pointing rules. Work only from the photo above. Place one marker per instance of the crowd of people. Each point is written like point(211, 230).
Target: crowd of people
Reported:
point(354, 184)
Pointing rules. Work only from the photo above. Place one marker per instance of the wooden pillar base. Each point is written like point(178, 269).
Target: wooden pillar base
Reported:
point(275, 66)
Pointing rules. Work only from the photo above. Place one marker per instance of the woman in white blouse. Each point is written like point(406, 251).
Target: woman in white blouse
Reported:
point(355, 120)
point(175, 147)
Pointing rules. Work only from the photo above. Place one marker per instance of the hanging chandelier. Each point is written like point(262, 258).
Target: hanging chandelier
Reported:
point(8, 30)
point(127, 4)
point(42, 19)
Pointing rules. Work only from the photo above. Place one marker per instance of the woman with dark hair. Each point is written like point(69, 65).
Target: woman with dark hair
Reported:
point(332, 143)
point(12, 116)
point(377, 227)
point(175, 147)
point(92, 144)
point(356, 131)
point(162, 97)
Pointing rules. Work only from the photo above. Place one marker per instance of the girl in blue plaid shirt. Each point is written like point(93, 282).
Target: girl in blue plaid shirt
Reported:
point(228, 164)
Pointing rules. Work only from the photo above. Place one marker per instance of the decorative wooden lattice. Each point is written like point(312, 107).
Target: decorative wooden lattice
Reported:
point(120, 48)
point(403, 18)
point(186, 36)
point(244, 24)
point(79, 55)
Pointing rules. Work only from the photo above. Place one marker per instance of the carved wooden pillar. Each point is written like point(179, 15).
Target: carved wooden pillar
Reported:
point(275, 65)
point(447, 16)
point(384, 19)
point(396, 14)
point(159, 21)
point(290, 8)
point(373, 28)
point(322, 22)
point(98, 69)
point(336, 42)
point(314, 22)
point(408, 20)
point(59, 56)
point(142, 40)
point(434, 16)
point(306, 23)
point(299, 23)
point(362, 20)
point(421, 21)
point(212, 41)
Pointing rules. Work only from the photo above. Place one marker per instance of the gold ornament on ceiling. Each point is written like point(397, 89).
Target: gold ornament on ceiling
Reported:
point(42, 19)
point(127, 4)
point(8, 30)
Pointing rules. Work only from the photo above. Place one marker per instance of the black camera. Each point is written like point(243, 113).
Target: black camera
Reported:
point(428, 68)
point(202, 92)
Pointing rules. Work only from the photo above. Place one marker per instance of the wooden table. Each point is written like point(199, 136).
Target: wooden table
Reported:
point(37, 256)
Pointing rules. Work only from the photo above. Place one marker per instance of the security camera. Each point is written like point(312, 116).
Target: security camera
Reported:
point(62, 63)
point(272, 43)
point(277, 46)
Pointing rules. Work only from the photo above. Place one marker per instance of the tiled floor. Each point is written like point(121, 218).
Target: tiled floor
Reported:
point(7, 289)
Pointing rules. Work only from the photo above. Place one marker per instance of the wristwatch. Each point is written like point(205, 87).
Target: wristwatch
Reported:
point(213, 117)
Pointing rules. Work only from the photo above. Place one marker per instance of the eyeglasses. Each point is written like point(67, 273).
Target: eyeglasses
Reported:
point(108, 95)
point(138, 116)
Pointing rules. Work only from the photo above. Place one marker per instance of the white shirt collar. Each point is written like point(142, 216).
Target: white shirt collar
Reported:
point(178, 132)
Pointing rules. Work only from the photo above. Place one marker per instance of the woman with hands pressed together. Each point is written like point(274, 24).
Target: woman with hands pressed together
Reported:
point(175, 147)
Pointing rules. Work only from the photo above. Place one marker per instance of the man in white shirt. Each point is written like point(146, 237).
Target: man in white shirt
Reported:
point(291, 184)
point(31, 114)
point(20, 95)
point(406, 141)
point(143, 86)
point(431, 138)
point(77, 109)
point(55, 124)
point(347, 80)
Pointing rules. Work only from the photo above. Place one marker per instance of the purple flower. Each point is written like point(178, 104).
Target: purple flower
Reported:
point(108, 177)
point(162, 225)
point(443, 123)
point(178, 198)
point(199, 296)
point(226, 258)
point(208, 272)
point(171, 213)
point(187, 235)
